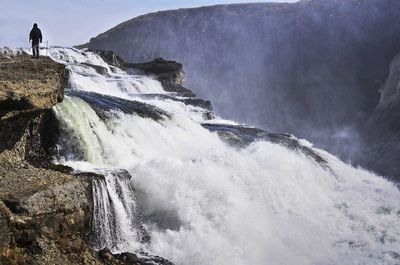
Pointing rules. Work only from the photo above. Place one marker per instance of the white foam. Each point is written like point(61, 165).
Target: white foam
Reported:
point(114, 82)
point(264, 204)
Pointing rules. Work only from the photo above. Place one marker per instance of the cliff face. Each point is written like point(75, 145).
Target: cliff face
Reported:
point(44, 213)
point(313, 68)
point(390, 90)
point(382, 129)
point(28, 89)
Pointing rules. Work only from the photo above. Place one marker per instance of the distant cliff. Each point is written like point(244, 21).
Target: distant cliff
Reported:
point(381, 131)
point(312, 68)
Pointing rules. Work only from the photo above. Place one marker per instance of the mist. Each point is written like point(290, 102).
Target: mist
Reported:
point(312, 68)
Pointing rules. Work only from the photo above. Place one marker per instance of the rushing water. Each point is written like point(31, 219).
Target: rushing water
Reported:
point(203, 200)
point(115, 219)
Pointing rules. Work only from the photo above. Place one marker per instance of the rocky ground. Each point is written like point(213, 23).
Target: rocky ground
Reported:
point(28, 85)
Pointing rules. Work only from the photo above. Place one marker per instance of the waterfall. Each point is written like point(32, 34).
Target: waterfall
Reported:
point(204, 190)
point(115, 220)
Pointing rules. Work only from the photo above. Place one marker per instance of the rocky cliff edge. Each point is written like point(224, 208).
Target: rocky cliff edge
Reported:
point(44, 210)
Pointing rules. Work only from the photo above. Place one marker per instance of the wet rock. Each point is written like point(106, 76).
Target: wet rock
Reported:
point(99, 69)
point(110, 57)
point(195, 102)
point(242, 136)
point(169, 73)
point(127, 258)
point(148, 259)
point(122, 258)
point(102, 104)
point(106, 255)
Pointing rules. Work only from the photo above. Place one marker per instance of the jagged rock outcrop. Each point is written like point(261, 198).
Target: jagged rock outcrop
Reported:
point(311, 68)
point(169, 73)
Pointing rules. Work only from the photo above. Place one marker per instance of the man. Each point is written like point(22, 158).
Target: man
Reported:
point(36, 37)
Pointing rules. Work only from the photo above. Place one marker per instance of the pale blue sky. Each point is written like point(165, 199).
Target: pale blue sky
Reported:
point(71, 22)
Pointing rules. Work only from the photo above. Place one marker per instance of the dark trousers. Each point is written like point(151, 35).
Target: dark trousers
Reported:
point(35, 49)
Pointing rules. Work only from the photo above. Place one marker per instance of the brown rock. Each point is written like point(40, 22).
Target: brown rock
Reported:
point(29, 85)
point(4, 227)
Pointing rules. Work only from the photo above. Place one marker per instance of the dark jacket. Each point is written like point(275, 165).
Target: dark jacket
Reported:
point(35, 35)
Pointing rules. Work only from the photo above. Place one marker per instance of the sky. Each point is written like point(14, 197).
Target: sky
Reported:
point(72, 22)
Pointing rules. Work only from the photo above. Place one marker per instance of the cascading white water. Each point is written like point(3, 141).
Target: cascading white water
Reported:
point(206, 202)
point(115, 219)
point(103, 216)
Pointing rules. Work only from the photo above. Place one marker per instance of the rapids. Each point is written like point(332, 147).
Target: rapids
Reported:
point(195, 197)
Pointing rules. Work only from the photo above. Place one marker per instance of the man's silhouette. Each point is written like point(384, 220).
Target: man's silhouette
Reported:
point(36, 37)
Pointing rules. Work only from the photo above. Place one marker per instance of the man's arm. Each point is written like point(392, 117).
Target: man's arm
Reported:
point(40, 36)
point(30, 36)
